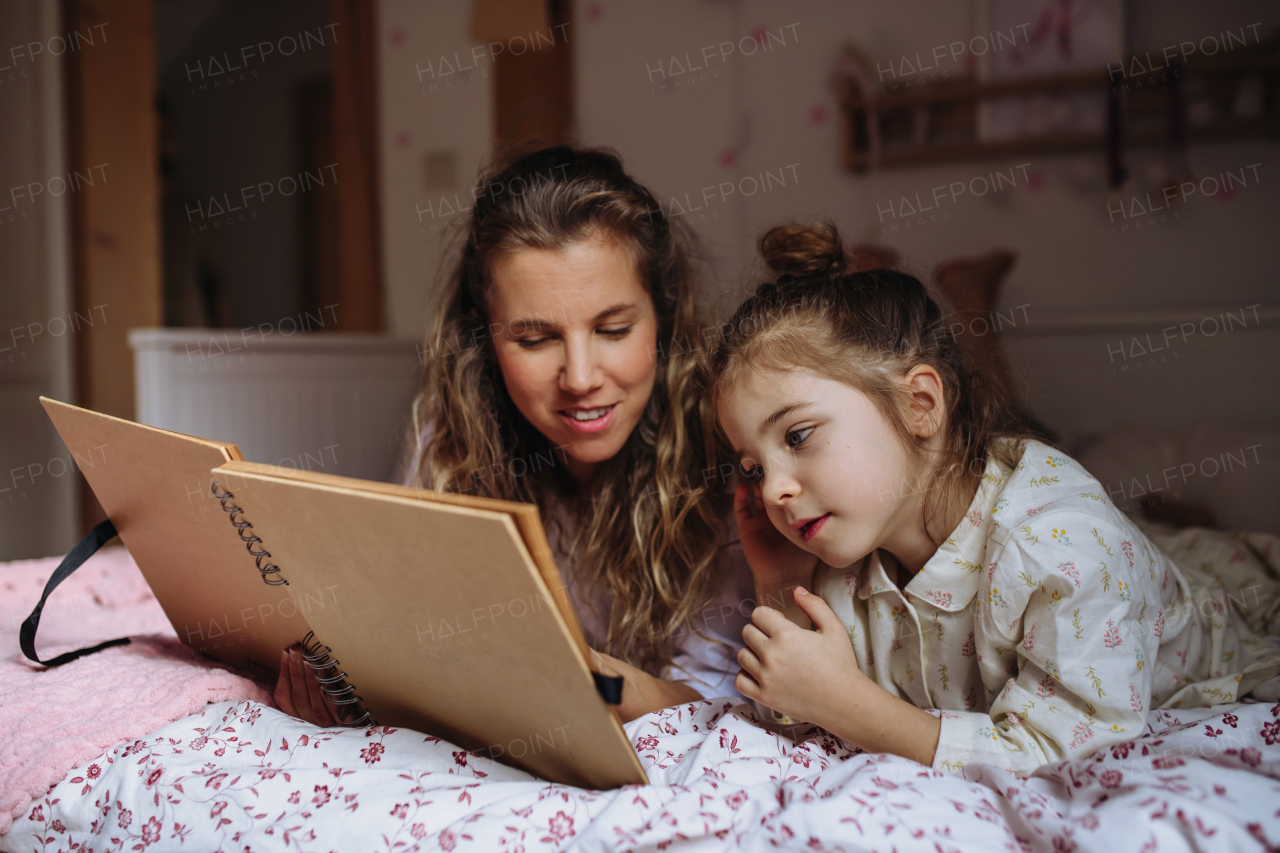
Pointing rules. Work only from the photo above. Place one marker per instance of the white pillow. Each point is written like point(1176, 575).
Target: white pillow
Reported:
point(1231, 470)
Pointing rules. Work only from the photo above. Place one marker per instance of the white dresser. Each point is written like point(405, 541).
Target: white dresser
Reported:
point(330, 402)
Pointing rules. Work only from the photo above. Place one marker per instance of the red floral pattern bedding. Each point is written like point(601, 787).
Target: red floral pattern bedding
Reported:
point(242, 776)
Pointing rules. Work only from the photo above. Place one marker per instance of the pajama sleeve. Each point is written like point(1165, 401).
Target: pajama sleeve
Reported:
point(710, 665)
point(1071, 612)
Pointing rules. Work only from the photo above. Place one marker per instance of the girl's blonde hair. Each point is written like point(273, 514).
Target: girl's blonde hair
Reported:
point(868, 330)
point(647, 535)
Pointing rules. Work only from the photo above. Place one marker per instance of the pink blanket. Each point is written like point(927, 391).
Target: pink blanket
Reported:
point(51, 720)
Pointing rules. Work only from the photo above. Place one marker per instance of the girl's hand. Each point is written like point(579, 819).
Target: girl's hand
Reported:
point(814, 676)
point(642, 693)
point(298, 692)
point(804, 674)
point(778, 565)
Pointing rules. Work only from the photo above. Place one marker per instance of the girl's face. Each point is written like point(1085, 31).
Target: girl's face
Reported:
point(574, 333)
point(833, 474)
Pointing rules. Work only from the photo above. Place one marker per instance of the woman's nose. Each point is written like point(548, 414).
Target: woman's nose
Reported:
point(580, 373)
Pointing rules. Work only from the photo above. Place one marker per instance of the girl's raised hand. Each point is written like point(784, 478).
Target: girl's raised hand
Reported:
point(814, 676)
point(809, 675)
point(777, 564)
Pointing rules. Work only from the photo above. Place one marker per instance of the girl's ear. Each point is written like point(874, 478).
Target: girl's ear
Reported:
point(928, 402)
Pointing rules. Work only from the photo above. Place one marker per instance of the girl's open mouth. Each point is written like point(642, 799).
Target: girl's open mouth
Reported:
point(589, 420)
point(811, 529)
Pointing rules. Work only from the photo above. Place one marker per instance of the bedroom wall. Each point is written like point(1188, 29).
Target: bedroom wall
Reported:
point(436, 128)
point(775, 112)
point(776, 108)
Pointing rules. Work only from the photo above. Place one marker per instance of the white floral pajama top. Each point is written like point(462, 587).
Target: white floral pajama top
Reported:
point(1048, 625)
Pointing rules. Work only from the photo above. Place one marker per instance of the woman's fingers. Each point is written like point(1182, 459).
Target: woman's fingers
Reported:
point(284, 687)
point(324, 715)
point(604, 664)
point(749, 662)
point(298, 692)
point(298, 684)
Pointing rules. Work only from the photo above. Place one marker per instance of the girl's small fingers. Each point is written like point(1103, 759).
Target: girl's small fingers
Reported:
point(748, 661)
point(769, 621)
point(754, 637)
point(740, 497)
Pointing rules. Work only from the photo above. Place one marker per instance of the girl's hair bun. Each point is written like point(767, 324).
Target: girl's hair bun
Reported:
point(803, 250)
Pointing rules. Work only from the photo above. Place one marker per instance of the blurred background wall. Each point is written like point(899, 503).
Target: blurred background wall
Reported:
point(776, 108)
point(263, 165)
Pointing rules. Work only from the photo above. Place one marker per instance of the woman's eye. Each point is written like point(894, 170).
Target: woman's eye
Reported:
point(530, 343)
point(616, 333)
point(795, 438)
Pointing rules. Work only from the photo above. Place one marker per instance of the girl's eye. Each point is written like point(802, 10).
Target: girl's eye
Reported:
point(794, 437)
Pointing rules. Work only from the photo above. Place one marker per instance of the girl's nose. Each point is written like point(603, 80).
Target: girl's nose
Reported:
point(778, 488)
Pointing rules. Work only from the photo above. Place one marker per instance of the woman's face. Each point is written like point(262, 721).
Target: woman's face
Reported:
point(575, 334)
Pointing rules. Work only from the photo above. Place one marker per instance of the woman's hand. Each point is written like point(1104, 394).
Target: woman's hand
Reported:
point(778, 565)
point(814, 676)
point(299, 695)
point(298, 692)
point(642, 693)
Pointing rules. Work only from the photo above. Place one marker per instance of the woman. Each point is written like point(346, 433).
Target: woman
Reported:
point(564, 334)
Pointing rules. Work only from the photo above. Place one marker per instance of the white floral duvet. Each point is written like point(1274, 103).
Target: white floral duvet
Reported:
point(243, 777)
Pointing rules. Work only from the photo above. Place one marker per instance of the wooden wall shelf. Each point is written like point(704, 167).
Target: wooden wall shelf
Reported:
point(938, 122)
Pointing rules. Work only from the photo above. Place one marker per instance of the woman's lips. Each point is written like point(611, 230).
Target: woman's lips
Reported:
point(809, 528)
point(594, 425)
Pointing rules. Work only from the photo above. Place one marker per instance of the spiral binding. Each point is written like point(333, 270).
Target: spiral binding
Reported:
point(249, 541)
point(317, 657)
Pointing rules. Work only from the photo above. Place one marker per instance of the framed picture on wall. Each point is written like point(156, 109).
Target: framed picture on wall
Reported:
point(1049, 37)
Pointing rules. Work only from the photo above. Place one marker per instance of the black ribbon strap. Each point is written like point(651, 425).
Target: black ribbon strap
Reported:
point(610, 687)
point(85, 548)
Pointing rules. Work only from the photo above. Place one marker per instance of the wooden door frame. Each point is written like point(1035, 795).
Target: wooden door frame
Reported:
point(116, 237)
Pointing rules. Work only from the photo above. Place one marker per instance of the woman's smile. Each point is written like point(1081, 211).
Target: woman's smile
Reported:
point(589, 420)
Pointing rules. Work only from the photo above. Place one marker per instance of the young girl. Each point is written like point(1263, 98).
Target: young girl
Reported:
point(978, 597)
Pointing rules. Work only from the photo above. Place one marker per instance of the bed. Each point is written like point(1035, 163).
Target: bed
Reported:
point(228, 771)
point(201, 760)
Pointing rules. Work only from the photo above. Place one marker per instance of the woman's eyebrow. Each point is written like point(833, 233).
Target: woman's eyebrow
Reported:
point(615, 309)
point(530, 325)
point(539, 323)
